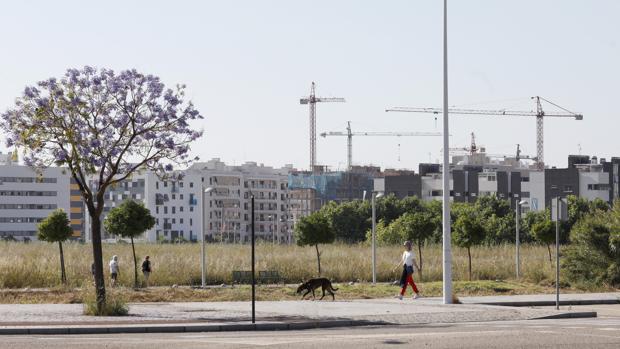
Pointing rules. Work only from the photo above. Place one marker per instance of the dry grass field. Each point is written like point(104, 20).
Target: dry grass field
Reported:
point(36, 265)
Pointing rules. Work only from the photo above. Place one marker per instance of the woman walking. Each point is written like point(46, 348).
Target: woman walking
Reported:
point(406, 278)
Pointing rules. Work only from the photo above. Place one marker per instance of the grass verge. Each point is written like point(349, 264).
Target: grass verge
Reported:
point(121, 296)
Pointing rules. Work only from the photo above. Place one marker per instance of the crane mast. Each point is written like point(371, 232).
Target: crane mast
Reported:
point(311, 100)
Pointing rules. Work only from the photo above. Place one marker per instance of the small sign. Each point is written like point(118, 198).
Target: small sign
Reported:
point(560, 214)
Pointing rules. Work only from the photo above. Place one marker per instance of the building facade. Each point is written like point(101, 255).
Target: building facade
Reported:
point(27, 197)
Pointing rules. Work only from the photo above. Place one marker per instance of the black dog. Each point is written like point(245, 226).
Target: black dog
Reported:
point(313, 284)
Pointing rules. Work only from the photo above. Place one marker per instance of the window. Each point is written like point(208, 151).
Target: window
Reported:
point(181, 186)
point(525, 179)
point(525, 194)
point(156, 185)
point(165, 184)
point(191, 209)
point(157, 209)
point(174, 196)
point(165, 209)
point(180, 208)
point(598, 187)
point(174, 221)
point(191, 222)
point(181, 196)
point(191, 184)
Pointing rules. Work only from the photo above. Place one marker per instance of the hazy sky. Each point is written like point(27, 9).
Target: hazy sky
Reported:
point(247, 63)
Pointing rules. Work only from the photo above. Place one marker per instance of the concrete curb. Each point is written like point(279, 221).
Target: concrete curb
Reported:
point(269, 326)
point(574, 315)
point(546, 303)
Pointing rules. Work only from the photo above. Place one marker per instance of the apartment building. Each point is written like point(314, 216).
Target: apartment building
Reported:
point(177, 202)
point(172, 201)
point(27, 197)
point(509, 179)
point(228, 204)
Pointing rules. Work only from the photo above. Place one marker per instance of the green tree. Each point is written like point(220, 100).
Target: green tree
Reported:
point(313, 230)
point(543, 231)
point(416, 227)
point(389, 208)
point(594, 252)
point(130, 219)
point(435, 210)
point(467, 232)
point(349, 220)
point(386, 234)
point(56, 228)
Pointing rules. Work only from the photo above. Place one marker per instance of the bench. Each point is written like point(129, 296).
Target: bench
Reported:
point(269, 277)
point(242, 277)
point(264, 277)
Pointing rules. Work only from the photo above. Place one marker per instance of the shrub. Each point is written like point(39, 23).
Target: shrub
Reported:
point(115, 304)
point(594, 253)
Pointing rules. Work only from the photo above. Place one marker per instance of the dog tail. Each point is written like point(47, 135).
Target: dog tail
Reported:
point(332, 287)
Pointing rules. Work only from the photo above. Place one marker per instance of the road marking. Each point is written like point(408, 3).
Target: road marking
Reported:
point(609, 329)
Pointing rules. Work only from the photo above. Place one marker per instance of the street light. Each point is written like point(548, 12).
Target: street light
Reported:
point(447, 250)
point(374, 236)
point(202, 247)
point(517, 239)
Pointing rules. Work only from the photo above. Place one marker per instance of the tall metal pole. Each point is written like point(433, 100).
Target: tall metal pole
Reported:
point(374, 236)
point(253, 277)
point(517, 239)
point(202, 246)
point(557, 253)
point(447, 252)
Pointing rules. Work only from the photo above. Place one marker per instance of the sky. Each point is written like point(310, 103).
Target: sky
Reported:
point(247, 63)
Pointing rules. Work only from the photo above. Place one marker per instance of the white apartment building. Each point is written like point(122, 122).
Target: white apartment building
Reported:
point(27, 197)
point(177, 205)
point(228, 204)
point(172, 202)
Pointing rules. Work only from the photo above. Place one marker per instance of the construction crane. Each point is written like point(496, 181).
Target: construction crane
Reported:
point(350, 135)
point(539, 114)
point(311, 101)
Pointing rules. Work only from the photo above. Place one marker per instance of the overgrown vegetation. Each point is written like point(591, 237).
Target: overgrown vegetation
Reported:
point(34, 265)
point(594, 253)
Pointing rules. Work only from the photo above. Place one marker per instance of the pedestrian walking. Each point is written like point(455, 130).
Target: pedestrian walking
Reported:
point(408, 262)
point(114, 270)
point(146, 270)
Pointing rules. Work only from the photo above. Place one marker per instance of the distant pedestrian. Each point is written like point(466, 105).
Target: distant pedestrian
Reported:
point(146, 270)
point(114, 270)
point(406, 278)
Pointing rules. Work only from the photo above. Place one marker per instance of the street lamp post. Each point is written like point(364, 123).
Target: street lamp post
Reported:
point(517, 237)
point(202, 247)
point(447, 250)
point(374, 237)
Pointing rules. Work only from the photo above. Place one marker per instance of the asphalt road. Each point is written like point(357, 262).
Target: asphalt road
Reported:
point(601, 332)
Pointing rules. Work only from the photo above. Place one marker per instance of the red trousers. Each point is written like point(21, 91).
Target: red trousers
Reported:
point(409, 282)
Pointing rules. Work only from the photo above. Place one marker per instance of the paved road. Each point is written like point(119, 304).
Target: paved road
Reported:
point(570, 333)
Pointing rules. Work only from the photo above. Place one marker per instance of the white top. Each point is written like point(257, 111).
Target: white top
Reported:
point(113, 266)
point(408, 257)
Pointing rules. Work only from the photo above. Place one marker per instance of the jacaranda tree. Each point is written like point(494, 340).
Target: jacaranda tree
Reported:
point(103, 126)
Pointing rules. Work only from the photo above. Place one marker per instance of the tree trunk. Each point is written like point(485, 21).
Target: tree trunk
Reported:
point(318, 257)
point(135, 265)
point(549, 249)
point(469, 255)
point(98, 259)
point(63, 275)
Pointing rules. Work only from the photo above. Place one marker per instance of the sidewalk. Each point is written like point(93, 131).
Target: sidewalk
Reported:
point(546, 299)
point(235, 316)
